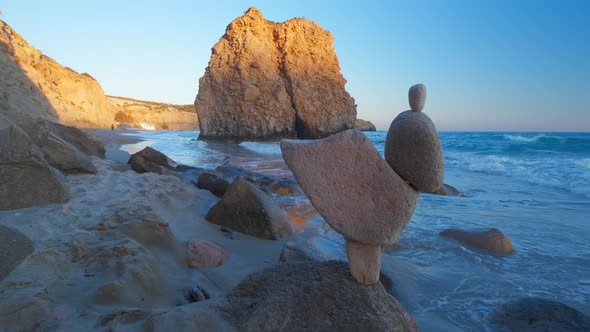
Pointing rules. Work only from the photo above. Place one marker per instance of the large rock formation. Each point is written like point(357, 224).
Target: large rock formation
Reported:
point(162, 116)
point(33, 84)
point(25, 177)
point(269, 80)
point(364, 125)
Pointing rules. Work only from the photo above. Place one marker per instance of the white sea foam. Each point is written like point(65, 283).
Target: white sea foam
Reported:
point(585, 163)
point(265, 148)
point(519, 138)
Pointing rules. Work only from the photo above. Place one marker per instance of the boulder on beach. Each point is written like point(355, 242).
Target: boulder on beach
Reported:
point(537, 314)
point(26, 179)
point(151, 160)
point(352, 187)
point(314, 296)
point(492, 239)
point(58, 152)
point(414, 150)
point(203, 253)
point(246, 209)
point(364, 125)
point(14, 248)
point(267, 81)
point(40, 127)
point(214, 182)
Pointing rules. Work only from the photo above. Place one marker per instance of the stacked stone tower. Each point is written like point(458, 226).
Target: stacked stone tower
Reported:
point(368, 199)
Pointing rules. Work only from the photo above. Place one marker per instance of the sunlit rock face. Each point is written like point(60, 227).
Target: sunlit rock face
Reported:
point(268, 80)
point(35, 85)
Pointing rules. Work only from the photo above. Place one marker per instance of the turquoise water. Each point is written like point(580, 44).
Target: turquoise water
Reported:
point(535, 187)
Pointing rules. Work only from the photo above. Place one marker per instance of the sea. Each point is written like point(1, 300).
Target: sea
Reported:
point(534, 187)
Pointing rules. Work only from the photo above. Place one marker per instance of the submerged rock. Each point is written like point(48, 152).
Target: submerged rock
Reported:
point(14, 248)
point(25, 177)
point(275, 185)
point(448, 190)
point(315, 296)
point(352, 187)
point(536, 314)
point(246, 209)
point(491, 239)
point(364, 125)
point(269, 80)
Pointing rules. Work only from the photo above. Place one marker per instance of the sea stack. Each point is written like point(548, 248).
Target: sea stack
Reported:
point(267, 81)
point(361, 195)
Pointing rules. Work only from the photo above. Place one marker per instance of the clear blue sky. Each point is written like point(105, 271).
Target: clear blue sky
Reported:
point(489, 65)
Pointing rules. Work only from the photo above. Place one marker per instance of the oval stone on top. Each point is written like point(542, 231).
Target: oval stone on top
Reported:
point(414, 150)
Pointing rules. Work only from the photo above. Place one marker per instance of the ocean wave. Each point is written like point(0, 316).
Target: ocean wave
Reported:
point(264, 148)
point(585, 163)
point(519, 138)
point(548, 140)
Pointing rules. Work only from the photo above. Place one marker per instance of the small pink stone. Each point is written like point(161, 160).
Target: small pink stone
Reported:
point(205, 254)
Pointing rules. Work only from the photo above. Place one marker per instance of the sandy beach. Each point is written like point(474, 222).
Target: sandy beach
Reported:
point(119, 243)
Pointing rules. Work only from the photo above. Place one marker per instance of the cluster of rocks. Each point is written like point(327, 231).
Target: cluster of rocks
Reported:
point(267, 81)
point(246, 205)
point(367, 199)
point(32, 153)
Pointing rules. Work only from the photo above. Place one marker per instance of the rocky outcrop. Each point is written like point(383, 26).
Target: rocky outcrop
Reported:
point(314, 296)
point(269, 80)
point(536, 314)
point(25, 177)
point(364, 125)
point(162, 116)
point(14, 248)
point(246, 209)
point(492, 240)
point(33, 84)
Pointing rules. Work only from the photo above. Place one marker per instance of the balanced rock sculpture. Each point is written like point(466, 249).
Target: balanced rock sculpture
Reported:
point(361, 195)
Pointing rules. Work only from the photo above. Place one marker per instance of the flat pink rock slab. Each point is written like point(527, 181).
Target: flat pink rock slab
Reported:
point(352, 186)
point(205, 254)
